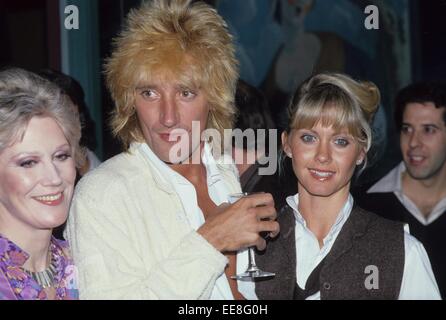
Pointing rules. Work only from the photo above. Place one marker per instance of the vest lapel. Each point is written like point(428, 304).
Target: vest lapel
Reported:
point(287, 233)
point(279, 257)
point(286, 275)
point(354, 227)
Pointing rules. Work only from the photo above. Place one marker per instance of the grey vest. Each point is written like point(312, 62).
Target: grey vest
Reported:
point(365, 240)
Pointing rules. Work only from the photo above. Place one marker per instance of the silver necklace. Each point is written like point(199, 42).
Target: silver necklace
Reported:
point(44, 278)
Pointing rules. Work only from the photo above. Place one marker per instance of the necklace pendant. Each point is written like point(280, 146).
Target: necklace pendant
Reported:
point(45, 278)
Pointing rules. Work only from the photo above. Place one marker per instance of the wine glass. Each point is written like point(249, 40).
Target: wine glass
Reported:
point(252, 271)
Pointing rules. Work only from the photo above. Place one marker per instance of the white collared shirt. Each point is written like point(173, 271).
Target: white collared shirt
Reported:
point(392, 182)
point(192, 214)
point(418, 279)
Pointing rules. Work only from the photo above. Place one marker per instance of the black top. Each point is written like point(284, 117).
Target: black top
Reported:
point(432, 236)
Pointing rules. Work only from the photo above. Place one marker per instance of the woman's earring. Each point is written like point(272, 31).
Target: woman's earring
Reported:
point(359, 162)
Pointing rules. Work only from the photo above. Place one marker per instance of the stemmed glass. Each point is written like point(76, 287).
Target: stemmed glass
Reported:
point(252, 271)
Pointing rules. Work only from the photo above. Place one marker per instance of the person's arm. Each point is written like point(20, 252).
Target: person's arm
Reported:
point(110, 266)
point(418, 279)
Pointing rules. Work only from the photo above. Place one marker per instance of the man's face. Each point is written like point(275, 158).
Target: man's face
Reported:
point(423, 140)
point(166, 110)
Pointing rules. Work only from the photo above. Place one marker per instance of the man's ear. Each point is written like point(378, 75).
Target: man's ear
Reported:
point(286, 145)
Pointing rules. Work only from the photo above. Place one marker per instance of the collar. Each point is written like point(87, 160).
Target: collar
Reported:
point(211, 164)
point(13, 255)
point(164, 176)
point(154, 165)
point(23, 286)
point(392, 182)
point(344, 213)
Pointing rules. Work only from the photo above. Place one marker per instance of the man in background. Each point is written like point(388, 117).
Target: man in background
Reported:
point(415, 190)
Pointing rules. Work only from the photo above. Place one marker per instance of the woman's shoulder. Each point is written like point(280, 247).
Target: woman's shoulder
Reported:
point(374, 225)
point(6, 292)
point(376, 217)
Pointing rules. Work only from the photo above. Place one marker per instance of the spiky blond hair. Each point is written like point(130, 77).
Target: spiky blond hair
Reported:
point(188, 41)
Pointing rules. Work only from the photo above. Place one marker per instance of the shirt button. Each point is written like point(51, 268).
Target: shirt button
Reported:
point(327, 286)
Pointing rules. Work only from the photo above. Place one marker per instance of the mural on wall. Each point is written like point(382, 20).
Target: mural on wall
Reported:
point(282, 42)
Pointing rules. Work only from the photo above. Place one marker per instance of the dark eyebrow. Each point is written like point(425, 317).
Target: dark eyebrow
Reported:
point(430, 125)
point(423, 125)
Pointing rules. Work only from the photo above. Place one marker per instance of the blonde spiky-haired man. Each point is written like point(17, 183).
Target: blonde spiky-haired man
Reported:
point(153, 223)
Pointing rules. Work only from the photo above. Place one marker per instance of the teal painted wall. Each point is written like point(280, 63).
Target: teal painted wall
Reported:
point(81, 58)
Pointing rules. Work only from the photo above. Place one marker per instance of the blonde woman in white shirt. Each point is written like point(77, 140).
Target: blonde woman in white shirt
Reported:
point(329, 248)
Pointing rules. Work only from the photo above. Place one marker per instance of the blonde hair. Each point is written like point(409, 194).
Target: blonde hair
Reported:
point(336, 100)
point(178, 39)
point(24, 95)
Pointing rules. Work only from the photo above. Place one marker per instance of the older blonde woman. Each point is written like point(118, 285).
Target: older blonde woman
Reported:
point(151, 223)
point(328, 247)
point(39, 150)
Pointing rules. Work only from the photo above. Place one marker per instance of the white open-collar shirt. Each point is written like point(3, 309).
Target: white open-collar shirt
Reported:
point(418, 279)
point(192, 214)
point(392, 182)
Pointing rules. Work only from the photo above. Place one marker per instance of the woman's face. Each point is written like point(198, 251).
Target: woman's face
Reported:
point(323, 159)
point(37, 177)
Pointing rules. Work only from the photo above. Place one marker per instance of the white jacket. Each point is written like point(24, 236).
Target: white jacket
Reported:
point(128, 235)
